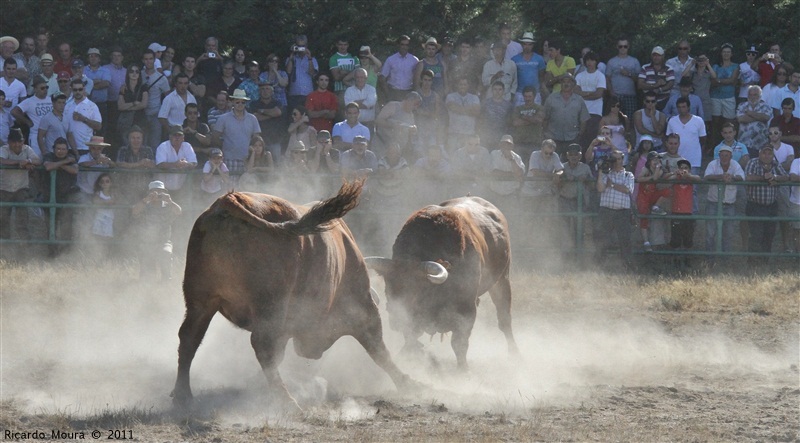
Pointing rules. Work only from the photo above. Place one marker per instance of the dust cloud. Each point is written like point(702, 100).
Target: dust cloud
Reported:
point(80, 341)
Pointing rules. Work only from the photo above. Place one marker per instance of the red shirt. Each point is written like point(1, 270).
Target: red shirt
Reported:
point(792, 127)
point(682, 198)
point(321, 101)
point(765, 70)
point(61, 65)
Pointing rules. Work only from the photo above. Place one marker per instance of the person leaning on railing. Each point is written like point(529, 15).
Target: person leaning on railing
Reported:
point(762, 199)
point(19, 159)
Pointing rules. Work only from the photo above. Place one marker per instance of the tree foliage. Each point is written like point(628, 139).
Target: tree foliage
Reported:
point(264, 26)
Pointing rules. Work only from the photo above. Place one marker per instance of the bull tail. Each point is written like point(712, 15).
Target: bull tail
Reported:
point(318, 218)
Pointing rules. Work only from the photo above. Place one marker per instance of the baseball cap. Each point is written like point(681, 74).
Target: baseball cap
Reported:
point(93, 51)
point(156, 184)
point(658, 50)
point(215, 152)
point(507, 138)
point(574, 147)
point(46, 58)
point(323, 135)
point(155, 47)
point(175, 129)
point(726, 148)
point(360, 139)
point(77, 63)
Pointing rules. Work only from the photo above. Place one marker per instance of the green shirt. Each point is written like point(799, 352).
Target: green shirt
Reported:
point(346, 63)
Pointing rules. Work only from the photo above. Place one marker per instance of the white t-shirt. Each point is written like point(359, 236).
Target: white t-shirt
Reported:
point(590, 83)
point(714, 168)
point(81, 131)
point(783, 152)
point(165, 153)
point(215, 184)
point(690, 134)
point(36, 108)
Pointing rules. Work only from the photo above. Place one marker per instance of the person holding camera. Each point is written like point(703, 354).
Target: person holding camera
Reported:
point(302, 68)
point(155, 213)
point(615, 186)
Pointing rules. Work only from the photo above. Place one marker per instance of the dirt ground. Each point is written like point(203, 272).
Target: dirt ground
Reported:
point(604, 358)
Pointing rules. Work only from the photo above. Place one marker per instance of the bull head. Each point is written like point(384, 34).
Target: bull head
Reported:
point(435, 272)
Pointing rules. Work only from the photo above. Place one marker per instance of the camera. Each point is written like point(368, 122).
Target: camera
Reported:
point(212, 55)
point(770, 56)
point(606, 164)
point(299, 49)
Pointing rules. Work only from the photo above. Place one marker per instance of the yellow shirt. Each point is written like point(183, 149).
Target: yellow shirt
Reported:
point(566, 64)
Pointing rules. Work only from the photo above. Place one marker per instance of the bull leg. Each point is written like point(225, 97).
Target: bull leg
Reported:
point(270, 346)
point(191, 334)
point(371, 338)
point(460, 340)
point(501, 297)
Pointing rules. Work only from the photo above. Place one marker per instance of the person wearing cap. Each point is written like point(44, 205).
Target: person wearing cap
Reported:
point(15, 182)
point(368, 61)
point(31, 110)
point(298, 162)
point(365, 96)
point(507, 173)
point(723, 90)
point(614, 214)
point(77, 74)
point(15, 90)
point(322, 105)
point(173, 107)
point(46, 64)
point(64, 62)
point(762, 198)
point(269, 113)
point(155, 214)
point(397, 73)
point(324, 158)
point(53, 125)
point(215, 174)
point(434, 64)
point(63, 80)
point(101, 79)
point(342, 65)
point(622, 71)
point(724, 169)
point(658, 77)
point(680, 63)
point(95, 158)
point(344, 131)
point(530, 69)
point(565, 115)
point(748, 73)
point(83, 116)
point(685, 90)
point(8, 45)
point(234, 130)
point(499, 69)
point(701, 74)
point(753, 116)
point(558, 67)
point(157, 49)
point(358, 161)
point(176, 155)
point(157, 86)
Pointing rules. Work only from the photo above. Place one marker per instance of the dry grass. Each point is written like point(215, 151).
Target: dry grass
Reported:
point(747, 391)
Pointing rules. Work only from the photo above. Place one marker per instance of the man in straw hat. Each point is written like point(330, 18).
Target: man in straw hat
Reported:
point(234, 130)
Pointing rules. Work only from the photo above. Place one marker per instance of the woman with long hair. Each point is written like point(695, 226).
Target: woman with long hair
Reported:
point(276, 77)
point(619, 125)
point(132, 101)
point(299, 129)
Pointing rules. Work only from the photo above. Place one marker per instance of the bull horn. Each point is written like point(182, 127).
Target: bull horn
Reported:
point(381, 265)
point(437, 274)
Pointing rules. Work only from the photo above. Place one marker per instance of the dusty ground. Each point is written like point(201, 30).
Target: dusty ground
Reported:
point(604, 358)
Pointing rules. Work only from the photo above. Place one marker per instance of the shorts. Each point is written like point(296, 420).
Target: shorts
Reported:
point(724, 107)
point(682, 234)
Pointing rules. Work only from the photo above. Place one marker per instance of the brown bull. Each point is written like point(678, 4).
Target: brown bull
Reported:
point(444, 258)
point(279, 271)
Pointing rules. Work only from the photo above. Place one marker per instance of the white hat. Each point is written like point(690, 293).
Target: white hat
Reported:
point(8, 38)
point(155, 47)
point(658, 50)
point(527, 37)
point(157, 184)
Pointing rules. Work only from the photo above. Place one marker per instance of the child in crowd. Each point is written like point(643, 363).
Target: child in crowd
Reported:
point(682, 229)
point(103, 224)
point(649, 194)
point(215, 174)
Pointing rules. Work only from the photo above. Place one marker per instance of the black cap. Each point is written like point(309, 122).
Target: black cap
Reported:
point(15, 135)
point(574, 147)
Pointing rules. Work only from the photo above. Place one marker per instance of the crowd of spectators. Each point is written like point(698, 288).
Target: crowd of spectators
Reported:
point(530, 132)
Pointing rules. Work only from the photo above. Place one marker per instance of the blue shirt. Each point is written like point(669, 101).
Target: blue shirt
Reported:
point(528, 70)
point(102, 73)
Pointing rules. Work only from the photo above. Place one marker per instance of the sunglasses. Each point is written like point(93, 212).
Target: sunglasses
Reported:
point(622, 46)
point(649, 101)
point(774, 133)
point(683, 49)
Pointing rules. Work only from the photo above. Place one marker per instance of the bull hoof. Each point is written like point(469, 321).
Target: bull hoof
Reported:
point(181, 400)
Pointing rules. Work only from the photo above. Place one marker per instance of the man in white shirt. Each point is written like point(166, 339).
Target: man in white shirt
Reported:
point(83, 116)
point(31, 111)
point(726, 171)
point(173, 108)
point(175, 154)
point(365, 96)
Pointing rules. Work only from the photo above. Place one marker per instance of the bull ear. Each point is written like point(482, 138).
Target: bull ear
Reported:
point(436, 273)
point(381, 265)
